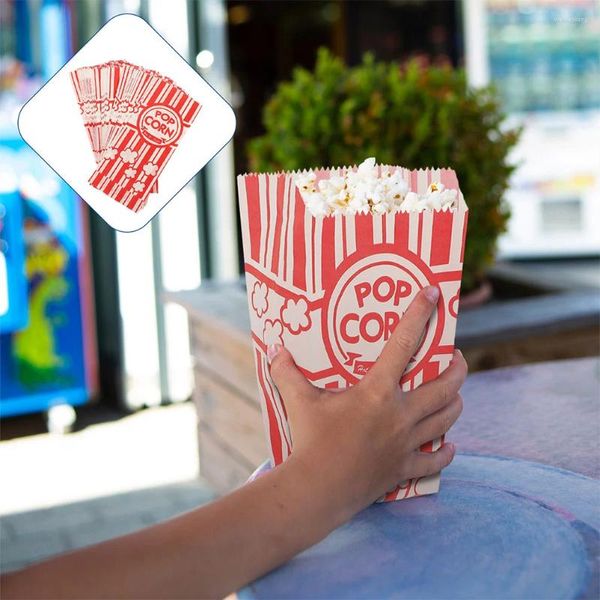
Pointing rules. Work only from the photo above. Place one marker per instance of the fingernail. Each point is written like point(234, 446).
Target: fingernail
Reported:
point(432, 293)
point(272, 351)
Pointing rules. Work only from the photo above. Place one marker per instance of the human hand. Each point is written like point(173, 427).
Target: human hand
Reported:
point(366, 439)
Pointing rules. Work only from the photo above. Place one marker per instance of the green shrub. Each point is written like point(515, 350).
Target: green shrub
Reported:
point(410, 115)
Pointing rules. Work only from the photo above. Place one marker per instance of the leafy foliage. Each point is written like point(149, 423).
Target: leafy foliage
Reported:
point(413, 116)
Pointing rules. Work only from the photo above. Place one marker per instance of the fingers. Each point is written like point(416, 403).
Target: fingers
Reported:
point(439, 423)
point(405, 339)
point(291, 383)
point(431, 397)
point(428, 463)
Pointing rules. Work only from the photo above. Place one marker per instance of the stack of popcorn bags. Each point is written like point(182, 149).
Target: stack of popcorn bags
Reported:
point(333, 258)
point(134, 118)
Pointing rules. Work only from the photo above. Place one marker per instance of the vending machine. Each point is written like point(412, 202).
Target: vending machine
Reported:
point(543, 57)
point(47, 349)
point(47, 337)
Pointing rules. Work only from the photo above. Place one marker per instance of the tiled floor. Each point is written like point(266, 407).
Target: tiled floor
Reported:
point(30, 536)
point(107, 479)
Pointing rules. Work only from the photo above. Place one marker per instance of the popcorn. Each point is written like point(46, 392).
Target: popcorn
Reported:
point(369, 190)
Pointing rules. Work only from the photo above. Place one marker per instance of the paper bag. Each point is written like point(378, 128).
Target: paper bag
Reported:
point(331, 289)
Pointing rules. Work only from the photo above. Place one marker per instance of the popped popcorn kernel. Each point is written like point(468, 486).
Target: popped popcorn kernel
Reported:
point(369, 190)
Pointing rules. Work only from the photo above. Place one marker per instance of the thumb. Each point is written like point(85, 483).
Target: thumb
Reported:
point(291, 383)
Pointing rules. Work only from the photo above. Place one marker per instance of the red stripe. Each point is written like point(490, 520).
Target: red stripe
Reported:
point(157, 93)
point(274, 436)
point(286, 226)
point(116, 77)
point(364, 231)
point(430, 371)
point(328, 253)
point(193, 111)
point(441, 238)
point(401, 231)
point(448, 178)
point(299, 247)
point(313, 227)
point(449, 349)
point(464, 236)
point(181, 103)
point(413, 181)
point(171, 98)
point(278, 223)
point(252, 200)
point(282, 420)
point(268, 205)
point(447, 276)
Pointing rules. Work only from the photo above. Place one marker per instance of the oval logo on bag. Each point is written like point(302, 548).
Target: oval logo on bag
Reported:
point(366, 304)
point(160, 125)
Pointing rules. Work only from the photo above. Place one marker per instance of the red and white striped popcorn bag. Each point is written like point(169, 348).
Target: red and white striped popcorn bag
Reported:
point(332, 288)
point(134, 118)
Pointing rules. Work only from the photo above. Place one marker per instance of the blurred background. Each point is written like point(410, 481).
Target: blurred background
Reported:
point(96, 325)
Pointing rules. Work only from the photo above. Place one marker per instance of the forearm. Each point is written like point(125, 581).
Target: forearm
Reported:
point(208, 552)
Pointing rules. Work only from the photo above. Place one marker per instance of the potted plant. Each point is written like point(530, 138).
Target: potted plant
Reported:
point(409, 115)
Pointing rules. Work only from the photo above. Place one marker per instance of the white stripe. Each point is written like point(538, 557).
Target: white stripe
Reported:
point(277, 405)
point(289, 251)
point(271, 241)
point(350, 235)
point(338, 240)
point(244, 215)
point(271, 399)
point(422, 181)
point(263, 401)
point(413, 231)
point(426, 235)
point(443, 360)
point(308, 225)
point(417, 379)
point(262, 196)
point(378, 229)
point(390, 220)
point(283, 216)
point(318, 247)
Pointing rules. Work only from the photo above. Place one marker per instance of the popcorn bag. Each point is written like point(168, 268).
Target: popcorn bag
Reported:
point(332, 287)
point(134, 118)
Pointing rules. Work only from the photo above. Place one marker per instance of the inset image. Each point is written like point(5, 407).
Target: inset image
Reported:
point(127, 122)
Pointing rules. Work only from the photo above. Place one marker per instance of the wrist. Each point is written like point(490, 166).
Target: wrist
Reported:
point(320, 485)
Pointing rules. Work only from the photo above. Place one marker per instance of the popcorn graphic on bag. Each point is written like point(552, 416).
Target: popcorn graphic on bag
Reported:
point(333, 258)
